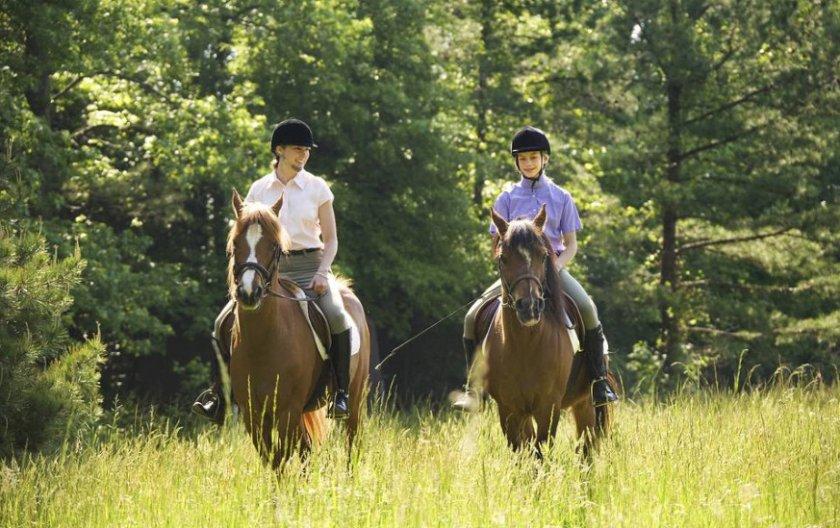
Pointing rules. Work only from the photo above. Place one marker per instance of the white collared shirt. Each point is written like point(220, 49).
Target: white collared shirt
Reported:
point(302, 197)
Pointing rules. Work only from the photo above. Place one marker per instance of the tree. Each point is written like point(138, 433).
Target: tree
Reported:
point(714, 109)
point(49, 389)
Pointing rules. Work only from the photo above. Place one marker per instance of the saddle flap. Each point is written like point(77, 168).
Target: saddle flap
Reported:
point(484, 317)
point(573, 319)
point(320, 327)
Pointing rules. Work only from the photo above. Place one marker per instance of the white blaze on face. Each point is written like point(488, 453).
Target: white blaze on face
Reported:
point(253, 237)
point(527, 256)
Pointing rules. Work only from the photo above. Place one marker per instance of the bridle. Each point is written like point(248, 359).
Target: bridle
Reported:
point(507, 289)
point(267, 275)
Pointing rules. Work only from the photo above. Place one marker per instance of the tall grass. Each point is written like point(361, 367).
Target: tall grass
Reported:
point(766, 458)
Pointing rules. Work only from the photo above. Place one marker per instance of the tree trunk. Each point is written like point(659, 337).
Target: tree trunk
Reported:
point(669, 267)
point(481, 98)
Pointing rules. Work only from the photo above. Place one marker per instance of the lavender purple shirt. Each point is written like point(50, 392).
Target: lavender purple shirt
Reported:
point(523, 200)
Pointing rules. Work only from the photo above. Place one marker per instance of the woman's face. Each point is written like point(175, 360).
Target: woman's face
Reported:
point(294, 156)
point(530, 163)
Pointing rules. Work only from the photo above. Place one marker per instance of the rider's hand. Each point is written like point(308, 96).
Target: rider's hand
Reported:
point(319, 284)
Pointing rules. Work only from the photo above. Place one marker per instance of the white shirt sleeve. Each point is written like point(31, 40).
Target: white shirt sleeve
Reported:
point(326, 194)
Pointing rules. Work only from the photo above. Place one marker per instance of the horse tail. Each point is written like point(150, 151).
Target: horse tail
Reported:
point(314, 423)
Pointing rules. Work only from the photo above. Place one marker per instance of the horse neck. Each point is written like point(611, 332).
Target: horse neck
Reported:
point(516, 333)
point(256, 325)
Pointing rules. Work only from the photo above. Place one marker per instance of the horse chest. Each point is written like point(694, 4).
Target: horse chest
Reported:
point(523, 378)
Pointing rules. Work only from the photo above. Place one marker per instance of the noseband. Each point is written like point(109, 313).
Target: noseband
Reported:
point(507, 290)
point(265, 274)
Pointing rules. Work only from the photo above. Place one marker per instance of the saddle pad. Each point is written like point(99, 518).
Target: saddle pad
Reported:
point(355, 338)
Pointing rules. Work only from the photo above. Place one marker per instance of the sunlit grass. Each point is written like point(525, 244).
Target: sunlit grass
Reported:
point(769, 458)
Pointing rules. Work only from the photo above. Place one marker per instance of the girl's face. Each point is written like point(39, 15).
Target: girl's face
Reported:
point(530, 163)
point(294, 156)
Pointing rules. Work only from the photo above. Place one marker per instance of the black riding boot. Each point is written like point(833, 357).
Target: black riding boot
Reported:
point(467, 400)
point(469, 351)
point(210, 403)
point(593, 349)
point(340, 408)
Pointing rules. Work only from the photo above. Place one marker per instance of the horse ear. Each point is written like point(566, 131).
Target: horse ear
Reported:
point(277, 205)
point(539, 220)
point(236, 200)
point(499, 222)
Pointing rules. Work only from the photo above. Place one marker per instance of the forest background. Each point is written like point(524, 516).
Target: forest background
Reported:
point(698, 138)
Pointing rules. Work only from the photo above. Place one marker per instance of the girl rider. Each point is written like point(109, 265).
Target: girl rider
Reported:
point(309, 220)
point(530, 149)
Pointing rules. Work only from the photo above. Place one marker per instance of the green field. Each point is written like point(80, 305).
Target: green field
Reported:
point(766, 458)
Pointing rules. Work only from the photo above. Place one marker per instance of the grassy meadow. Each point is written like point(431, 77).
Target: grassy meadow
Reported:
point(767, 458)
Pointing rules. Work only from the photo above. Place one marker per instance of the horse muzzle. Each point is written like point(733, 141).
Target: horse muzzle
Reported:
point(529, 310)
point(249, 300)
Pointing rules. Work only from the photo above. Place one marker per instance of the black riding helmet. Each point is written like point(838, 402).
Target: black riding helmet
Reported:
point(529, 139)
point(292, 132)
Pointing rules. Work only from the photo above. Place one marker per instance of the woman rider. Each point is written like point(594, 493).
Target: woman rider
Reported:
point(530, 149)
point(308, 218)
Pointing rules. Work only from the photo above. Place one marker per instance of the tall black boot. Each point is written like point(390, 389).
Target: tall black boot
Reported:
point(340, 408)
point(210, 404)
point(467, 401)
point(593, 349)
point(469, 351)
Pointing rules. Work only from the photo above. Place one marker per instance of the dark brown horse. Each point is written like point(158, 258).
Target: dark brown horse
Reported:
point(275, 366)
point(532, 371)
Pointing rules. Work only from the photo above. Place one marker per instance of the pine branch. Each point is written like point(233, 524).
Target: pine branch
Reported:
point(733, 240)
point(69, 87)
point(730, 105)
point(721, 142)
point(713, 331)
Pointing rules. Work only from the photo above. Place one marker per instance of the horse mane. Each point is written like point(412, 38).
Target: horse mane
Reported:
point(552, 282)
point(523, 233)
point(254, 213)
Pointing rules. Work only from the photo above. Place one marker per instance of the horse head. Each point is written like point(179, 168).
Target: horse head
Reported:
point(254, 245)
point(522, 256)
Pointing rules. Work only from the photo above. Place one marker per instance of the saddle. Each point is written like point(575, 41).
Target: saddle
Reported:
point(569, 313)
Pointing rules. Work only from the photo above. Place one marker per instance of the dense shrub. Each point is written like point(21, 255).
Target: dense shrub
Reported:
point(49, 390)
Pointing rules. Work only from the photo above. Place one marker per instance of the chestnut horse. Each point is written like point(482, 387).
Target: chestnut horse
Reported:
point(275, 366)
point(532, 371)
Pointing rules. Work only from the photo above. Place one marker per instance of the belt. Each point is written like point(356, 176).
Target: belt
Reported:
point(303, 251)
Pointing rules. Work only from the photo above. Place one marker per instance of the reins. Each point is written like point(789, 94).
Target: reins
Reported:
point(393, 351)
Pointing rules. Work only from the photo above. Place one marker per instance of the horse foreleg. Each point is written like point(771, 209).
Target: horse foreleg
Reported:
point(588, 431)
point(279, 437)
point(547, 420)
point(517, 426)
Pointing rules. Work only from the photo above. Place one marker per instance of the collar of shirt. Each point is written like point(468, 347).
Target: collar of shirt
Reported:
point(300, 180)
point(539, 183)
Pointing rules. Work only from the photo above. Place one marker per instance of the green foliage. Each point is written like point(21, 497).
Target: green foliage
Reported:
point(128, 141)
point(47, 392)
